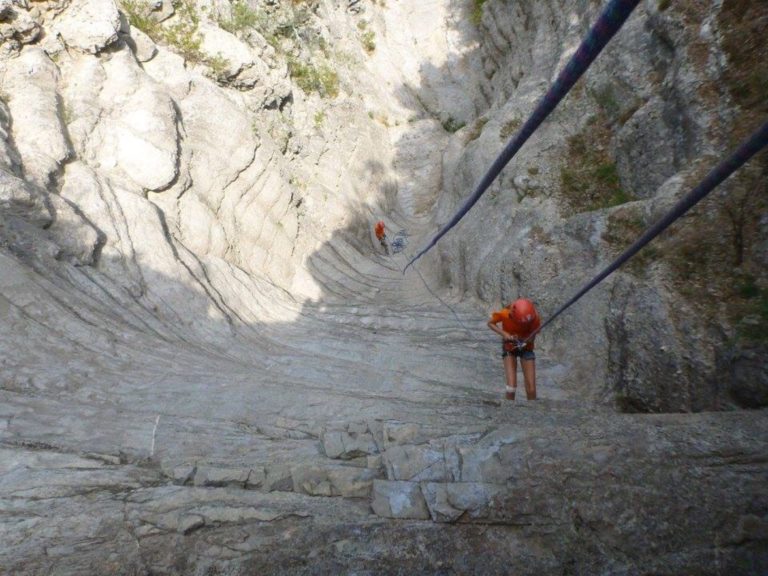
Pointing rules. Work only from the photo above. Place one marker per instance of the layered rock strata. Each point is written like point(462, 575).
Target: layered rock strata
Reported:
point(208, 368)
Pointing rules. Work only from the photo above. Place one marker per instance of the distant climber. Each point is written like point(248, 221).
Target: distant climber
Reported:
point(381, 235)
point(518, 321)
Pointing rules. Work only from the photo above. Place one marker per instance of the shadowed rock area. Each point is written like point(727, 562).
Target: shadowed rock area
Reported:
point(208, 365)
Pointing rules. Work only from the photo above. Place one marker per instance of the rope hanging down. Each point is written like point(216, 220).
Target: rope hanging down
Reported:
point(611, 20)
point(743, 153)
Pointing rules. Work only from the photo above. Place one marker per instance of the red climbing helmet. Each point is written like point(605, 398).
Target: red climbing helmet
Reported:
point(522, 311)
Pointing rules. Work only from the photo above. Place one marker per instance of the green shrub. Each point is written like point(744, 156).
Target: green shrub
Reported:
point(476, 15)
point(183, 33)
point(140, 16)
point(368, 40)
point(589, 178)
point(450, 124)
point(509, 128)
point(310, 77)
point(241, 18)
point(218, 65)
point(590, 185)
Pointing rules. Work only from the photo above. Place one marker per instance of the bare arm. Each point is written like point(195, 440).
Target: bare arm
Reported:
point(500, 331)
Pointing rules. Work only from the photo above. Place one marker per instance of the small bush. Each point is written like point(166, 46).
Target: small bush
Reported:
point(589, 178)
point(310, 77)
point(218, 65)
point(368, 40)
point(319, 118)
point(140, 16)
point(664, 4)
point(476, 15)
point(183, 33)
point(592, 186)
point(509, 128)
point(452, 125)
point(242, 18)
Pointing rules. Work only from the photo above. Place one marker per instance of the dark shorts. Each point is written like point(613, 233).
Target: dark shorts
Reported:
point(510, 350)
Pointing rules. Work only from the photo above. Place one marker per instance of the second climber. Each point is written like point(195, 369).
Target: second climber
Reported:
point(381, 235)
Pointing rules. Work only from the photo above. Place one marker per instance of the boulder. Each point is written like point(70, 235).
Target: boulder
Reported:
point(415, 463)
point(141, 45)
point(89, 25)
point(394, 499)
point(449, 502)
point(37, 130)
point(346, 445)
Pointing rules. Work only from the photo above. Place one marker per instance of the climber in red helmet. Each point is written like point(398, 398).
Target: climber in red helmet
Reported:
point(381, 235)
point(518, 321)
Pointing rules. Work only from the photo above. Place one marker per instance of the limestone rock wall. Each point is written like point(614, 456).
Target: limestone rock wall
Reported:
point(253, 143)
point(208, 365)
point(132, 155)
point(655, 112)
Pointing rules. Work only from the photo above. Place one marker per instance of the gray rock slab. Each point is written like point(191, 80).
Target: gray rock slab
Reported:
point(448, 502)
point(346, 445)
point(415, 463)
point(396, 499)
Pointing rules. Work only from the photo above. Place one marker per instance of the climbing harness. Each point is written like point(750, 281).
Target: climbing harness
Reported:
point(610, 21)
point(741, 156)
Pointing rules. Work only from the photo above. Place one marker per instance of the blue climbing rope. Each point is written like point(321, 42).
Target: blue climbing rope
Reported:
point(610, 21)
point(741, 156)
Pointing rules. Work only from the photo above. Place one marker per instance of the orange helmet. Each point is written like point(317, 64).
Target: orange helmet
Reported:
point(523, 311)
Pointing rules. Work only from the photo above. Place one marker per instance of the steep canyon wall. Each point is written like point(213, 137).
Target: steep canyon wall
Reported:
point(677, 328)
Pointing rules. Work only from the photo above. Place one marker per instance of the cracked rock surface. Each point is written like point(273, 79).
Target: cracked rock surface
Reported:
point(207, 365)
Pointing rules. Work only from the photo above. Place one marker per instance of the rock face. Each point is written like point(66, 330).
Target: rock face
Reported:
point(643, 126)
point(207, 366)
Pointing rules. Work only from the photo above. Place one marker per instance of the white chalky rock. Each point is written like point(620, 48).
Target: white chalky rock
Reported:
point(77, 238)
point(31, 81)
point(137, 140)
point(19, 198)
point(218, 43)
point(90, 25)
point(142, 45)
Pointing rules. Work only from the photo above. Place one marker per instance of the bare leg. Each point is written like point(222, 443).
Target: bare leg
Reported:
point(510, 370)
point(529, 374)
